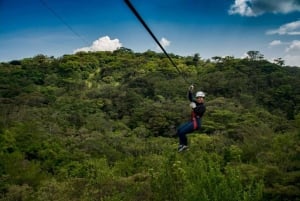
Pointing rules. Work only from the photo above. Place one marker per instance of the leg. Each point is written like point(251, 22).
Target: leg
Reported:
point(183, 130)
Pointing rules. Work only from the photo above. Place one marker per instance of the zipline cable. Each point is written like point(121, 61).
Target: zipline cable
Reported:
point(153, 36)
point(63, 21)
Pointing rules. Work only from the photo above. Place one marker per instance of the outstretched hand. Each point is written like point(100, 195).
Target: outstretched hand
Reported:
point(191, 88)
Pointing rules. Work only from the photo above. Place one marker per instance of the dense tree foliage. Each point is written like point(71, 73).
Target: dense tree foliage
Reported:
point(102, 126)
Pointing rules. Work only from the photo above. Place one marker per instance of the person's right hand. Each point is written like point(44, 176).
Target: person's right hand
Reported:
point(191, 88)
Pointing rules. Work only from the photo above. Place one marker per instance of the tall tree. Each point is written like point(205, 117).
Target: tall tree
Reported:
point(279, 61)
point(255, 55)
point(196, 59)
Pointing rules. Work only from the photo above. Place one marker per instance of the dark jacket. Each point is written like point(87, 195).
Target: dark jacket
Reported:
point(200, 108)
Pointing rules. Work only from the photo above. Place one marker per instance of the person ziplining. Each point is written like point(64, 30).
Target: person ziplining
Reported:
point(198, 110)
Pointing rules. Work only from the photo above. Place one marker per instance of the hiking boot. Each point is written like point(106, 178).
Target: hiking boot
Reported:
point(182, 148)
point(179, 147)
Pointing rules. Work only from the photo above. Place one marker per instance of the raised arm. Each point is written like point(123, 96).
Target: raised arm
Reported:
point(190, 94)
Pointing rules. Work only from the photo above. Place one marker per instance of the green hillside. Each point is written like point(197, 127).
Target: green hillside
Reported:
point(102, 126)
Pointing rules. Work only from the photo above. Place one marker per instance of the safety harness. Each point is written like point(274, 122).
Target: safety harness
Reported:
point(195, 119)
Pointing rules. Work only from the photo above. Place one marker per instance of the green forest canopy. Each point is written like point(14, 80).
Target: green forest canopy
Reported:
point(101, 126)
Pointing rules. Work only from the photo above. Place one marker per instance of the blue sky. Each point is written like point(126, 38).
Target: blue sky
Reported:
point(184, 27)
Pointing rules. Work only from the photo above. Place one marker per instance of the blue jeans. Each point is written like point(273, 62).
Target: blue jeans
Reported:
point(187, 128)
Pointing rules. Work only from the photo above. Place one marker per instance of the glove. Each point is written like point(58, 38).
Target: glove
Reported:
point(192, 105)
point(191, 88)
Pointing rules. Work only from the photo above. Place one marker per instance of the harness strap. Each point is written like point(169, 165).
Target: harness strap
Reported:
point(194, 119)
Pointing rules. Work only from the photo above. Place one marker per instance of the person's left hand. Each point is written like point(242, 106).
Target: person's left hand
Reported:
point(192, 105)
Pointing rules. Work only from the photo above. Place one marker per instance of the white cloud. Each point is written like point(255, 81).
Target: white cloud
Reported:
point(292, 60)
point(292, 56)
point(102, 44)
point(292, 28)
point(252, 8)
point(241, 7)
point(275, 43)
point(245, 55)
point(294, 48)
point(164, 42)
